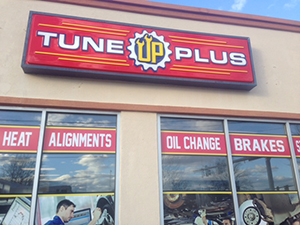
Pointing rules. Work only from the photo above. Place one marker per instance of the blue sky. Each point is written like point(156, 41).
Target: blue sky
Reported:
point(283, 9)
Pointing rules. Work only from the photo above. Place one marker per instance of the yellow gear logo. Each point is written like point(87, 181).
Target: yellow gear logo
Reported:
point(149, 50)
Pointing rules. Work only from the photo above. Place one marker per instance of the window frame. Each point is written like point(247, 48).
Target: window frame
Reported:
point(39, 154)
point(226, 120)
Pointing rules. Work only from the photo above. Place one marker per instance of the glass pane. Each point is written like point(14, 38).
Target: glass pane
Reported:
point(263, 174)
point(81, 120)
point(85, 206)
point(77, 173)
point(274, 208)
point(20, 118)
point(17, 173)
point(15, 210)
point(176, 124)
point(195, 173)
point(298, 162)
point(78, 157)
point(256, 128)
point(213, 209)
point(19, 135)
point(17, 170)
point(89, 165)
point(295, 129)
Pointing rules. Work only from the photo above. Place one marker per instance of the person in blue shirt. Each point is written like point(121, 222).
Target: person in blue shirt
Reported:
point(65, 212)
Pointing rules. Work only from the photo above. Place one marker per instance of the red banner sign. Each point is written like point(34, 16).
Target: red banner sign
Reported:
point(193, 143)
point(296, 141)
point(68, 45)
point(85, 140)
point(19, 139)
point(259, 145)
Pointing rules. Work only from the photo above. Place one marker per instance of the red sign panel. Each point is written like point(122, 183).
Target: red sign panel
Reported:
point(296, 141)
point(193, 143)
point(17, 139)
point(73, 46)
point(85, 140)
point(259, 145)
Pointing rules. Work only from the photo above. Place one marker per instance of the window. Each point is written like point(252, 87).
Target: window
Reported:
point(76, 156)
point(19, 135)
point(215, 170)
point(78, 163)
point(195, 173)
point(295, 131)
point(263, 170)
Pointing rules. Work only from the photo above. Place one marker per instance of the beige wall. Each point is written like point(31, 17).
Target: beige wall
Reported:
point(139, 187)
point(276, 57)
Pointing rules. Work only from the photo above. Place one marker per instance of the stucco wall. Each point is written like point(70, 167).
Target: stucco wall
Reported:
point(276, 55)
point(139, 186)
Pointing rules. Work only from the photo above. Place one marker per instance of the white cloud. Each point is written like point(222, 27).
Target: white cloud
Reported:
point(238, 5)
point(62, 178)
point(291, 4)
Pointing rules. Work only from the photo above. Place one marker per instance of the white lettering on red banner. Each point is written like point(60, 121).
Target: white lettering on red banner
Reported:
point(296, 141)
point(129, 52)
point(193, 143)
point(79, 140)
point(18, 139)
point(259, 145)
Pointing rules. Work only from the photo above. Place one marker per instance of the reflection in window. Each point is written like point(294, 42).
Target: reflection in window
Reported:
point(19, 118)
point(19, 137)
point(17, 170)
point(89, 169)
point(76, 173)
point(256, 128)
point(196, 184)
point(81, 120)
point(17, 173)
point(176, 124)
point(295, 129)
point(263, 174)
point(195, 173)
point(298, 162)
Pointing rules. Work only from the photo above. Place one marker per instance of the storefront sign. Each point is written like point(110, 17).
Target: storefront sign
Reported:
point(19, 139)
point(74, 139)
point(259, 145)
point(296, 142)
point(64, 45)
point(193, 143)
